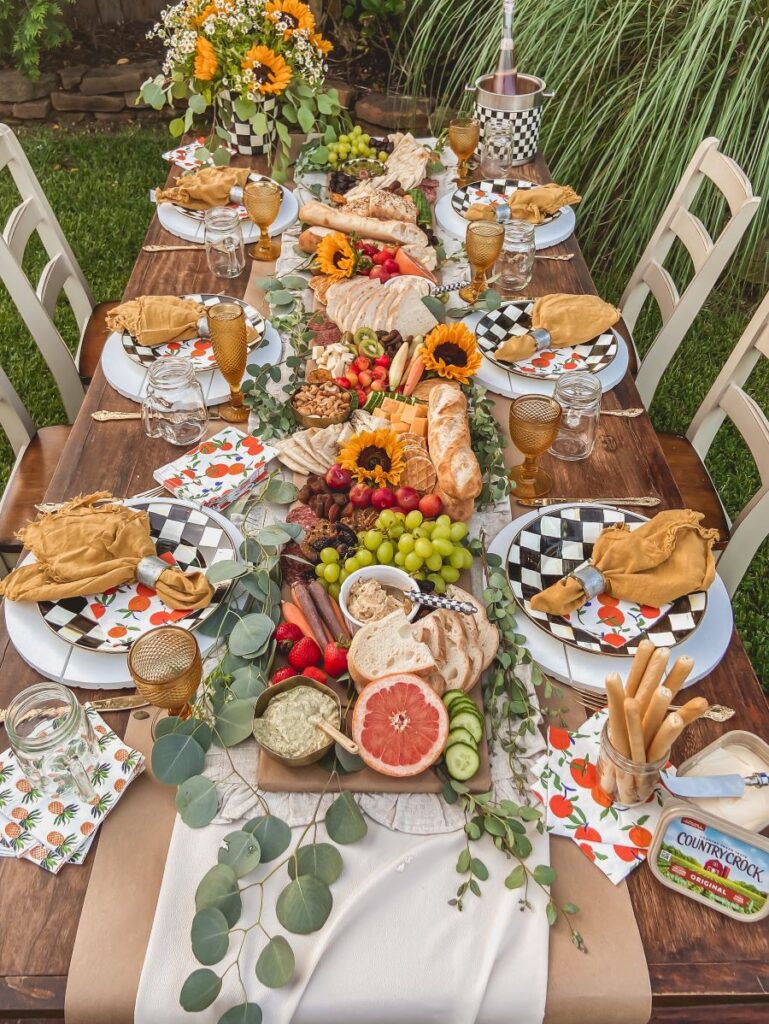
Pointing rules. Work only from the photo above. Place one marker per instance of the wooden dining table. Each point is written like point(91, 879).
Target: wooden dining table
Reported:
point(703, 966)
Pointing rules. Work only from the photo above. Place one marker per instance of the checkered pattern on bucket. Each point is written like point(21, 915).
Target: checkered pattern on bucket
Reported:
point(243, 137)
point(497, 189)
point(523, 124)
point(559, 542)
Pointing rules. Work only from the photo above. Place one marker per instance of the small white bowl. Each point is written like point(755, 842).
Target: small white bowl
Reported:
point(388, 576)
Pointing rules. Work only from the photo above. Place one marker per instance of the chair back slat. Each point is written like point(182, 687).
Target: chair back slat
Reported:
point(728, 177)
point(663, 288)
point(22, 221)
point(14, 418)
point(693, 233)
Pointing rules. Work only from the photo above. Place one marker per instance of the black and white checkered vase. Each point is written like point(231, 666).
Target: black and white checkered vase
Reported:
point(242, 135)
point(523, 125)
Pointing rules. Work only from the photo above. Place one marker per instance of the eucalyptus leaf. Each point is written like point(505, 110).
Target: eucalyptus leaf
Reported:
point(322, 860)
point(267, 284)
point(516, 878)
point(248, 683)
point(294, 530)
point(241, 852)
point(319, 156)
point(176, 127)
point(544, 874)
point(200, 990)
point(272, 536)
point(230, 664)
point(196, 103)
point(280, 298)
point(304, 905)
point(325, 106)
point(306, 118)
point(219, 888)
point(494, 827)
point(251, 635)
point(282, 492)
point(195, 727)
point(272, 834)
point(220, 623)
point(210, 936)
point(197, 801)
point(435, 306)
point(344, 821)
point(330, 135)
point(551, 913)
point(479, 869)
point(275, 966)
point(243, 1013)
point(259, 123)
point(176, 757)
point(221, 156)
point(349, 762)
point(244, 109)
point(227, 569)
point(234, 722)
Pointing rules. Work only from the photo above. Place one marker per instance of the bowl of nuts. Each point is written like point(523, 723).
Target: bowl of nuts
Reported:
point(321, 404)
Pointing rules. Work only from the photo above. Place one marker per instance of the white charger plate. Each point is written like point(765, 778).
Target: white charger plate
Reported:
point(706, 645)
point(192, 229)
point(545, 235)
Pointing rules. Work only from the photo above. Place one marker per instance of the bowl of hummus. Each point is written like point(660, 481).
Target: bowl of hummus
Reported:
point(374, 592)
point(283, 720)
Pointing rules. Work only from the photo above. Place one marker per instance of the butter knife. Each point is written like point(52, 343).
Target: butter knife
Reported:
point(107, 415)
point(648, 502)
point(712, 786)
point(107, 704)
point(439, 601)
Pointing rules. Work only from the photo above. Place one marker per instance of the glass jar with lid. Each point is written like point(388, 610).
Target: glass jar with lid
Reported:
point(174, 407)
point(579, 395)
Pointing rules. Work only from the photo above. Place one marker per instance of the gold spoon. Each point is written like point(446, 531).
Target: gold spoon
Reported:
point(629, 414)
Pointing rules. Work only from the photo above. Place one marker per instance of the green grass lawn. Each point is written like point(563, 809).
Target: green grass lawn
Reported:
point(98, 185)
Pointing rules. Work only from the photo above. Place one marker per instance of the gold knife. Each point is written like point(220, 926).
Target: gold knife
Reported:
point(629, 414)
point(171, 248)
point(635, 502)
point(107, 704)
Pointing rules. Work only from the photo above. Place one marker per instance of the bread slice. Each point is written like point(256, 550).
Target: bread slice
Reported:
point(430, 631)
point(488, 633)
point(473, 649)
point(455, 667)
point(387, 646)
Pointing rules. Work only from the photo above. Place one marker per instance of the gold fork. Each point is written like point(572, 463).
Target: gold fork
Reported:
point(594, 701)
point(106, 704)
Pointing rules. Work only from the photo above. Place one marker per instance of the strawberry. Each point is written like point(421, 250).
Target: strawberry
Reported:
point(281, 674)
point(287, 634)
point(335, 659)
point(315, 673)
point(304, 653)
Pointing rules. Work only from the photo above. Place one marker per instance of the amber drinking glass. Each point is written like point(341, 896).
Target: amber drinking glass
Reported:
point(534, 421)
point(228, 336)
point(483, 242)
point(166, 666)
point(262, 202)
point(464, 133)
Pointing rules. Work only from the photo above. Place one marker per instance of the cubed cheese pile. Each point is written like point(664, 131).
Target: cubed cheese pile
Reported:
point(405, 417)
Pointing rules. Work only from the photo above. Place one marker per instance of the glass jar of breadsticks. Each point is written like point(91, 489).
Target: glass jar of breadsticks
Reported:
point(643, 723)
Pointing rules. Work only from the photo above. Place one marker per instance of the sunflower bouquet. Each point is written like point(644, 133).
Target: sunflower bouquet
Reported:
point(259, 64)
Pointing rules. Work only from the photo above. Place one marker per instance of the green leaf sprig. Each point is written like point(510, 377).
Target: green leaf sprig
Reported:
point(488, 442)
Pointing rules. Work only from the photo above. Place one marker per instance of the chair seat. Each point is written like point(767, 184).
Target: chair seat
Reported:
point(29, 482)
point(94, 336)
point(694, 483)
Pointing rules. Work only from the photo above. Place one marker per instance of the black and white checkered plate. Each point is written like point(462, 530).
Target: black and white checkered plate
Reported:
point(491, 191)
point(560, 541)
point(499, 324)
point(186, 535)
point(199, 350)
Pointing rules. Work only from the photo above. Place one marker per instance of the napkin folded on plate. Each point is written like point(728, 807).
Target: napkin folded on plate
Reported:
point(157, 319)
point(530, 204)
point(664, 558)
point(204, 189)
point(568, 319)
point(83, 549)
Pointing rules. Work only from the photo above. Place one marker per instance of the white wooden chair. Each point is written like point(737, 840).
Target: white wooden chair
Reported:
point(709, 257)
point(37, 303)
point(687, 455)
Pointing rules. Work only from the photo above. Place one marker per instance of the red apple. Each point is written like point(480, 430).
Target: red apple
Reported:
point(362, 397)
point(431, 506)
point(379, 373)
point(352, 377)
point(342, 382)
point(338, 479)
point(383, 361)
point(383, 497)
point(360, 363)
point(407, 498)
point(378, 385)
point(360, 495)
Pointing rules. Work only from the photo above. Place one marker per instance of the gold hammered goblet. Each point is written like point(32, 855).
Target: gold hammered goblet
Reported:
point(464, 133)
point(166, 666)
point(262, 201)
point(228, 336)
point(534, 421)
point(483, 242)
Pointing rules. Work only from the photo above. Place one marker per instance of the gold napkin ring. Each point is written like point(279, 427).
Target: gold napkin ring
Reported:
point(236, 194)
point(590, 579)
point(542, 338)
point(204, 331)
point(150, 569)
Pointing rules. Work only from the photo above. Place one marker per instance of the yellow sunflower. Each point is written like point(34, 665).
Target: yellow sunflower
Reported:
point(335, 256)
point(451, 351)
point(270, 71)
point(323, 46)
point(375, 456)
point(205, 60)
point(298, 15)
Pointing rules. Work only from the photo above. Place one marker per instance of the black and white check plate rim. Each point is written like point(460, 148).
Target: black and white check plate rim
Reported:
point(524, 557)
point(146, 356)
point(195, 539)
point(502, 188)
point(199, 215)
point(497, 325)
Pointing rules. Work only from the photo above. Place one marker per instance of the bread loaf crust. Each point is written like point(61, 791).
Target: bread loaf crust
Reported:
point(319, 215)
point(448, 433)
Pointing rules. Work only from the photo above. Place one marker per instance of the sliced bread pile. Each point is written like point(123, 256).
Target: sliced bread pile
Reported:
point(395, 306)
point(448, 650)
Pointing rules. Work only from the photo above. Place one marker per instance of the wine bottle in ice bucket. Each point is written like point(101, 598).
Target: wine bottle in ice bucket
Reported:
point(506, 76)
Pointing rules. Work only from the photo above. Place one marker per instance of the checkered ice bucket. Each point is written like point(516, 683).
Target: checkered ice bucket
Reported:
point(522, 113)
point(242, 135)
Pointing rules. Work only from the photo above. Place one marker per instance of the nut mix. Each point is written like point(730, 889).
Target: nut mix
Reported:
point(325, 399)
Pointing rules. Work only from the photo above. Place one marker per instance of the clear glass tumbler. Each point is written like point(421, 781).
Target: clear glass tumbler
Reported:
point(53, 740)
point(622, 779)
point(497, 150)
point(579, 395)
point(516, 262)
point(174, 407)
point(225, 251)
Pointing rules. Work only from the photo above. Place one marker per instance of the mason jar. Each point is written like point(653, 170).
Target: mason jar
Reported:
point(579, 395)
point(224, 241)
point(53, 740)
point(497, 149)
point(625, 781)
point(174, 407)
point(515, 265)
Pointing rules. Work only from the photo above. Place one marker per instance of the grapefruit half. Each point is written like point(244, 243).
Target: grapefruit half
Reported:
point(400, 725)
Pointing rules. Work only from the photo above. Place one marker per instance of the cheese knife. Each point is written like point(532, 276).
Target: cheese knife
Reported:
point(712, 786)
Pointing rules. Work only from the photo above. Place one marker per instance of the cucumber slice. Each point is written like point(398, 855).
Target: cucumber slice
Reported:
point(459, 735)
point(462, 761)
point(451, 695)
point(461, 707)
point(467, 721)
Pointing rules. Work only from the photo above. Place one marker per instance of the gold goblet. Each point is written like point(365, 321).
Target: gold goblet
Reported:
point(483, 242)
point(534, 421)
point(464, 133)
point(228, 336)
point(166, 666)
point(262, 200)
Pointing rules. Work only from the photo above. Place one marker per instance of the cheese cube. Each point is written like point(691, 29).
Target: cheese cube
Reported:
point(419, 427)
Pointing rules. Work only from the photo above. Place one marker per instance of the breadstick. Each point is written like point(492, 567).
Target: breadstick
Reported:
point(651, 678)
point(693, 709)
point(667, 734)
point(656, 711)
point(635, 730)
point(679, 673)
point(645, 650)
point(617, 724)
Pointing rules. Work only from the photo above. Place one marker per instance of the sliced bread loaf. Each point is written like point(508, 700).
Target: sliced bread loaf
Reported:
point(387, 646)
point(488, 633)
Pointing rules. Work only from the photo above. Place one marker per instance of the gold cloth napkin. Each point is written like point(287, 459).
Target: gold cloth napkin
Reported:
point(530, 204)
point(569, 319)
point(204, 189)
point(157, 319)
point(666, 557)
point(83, 549)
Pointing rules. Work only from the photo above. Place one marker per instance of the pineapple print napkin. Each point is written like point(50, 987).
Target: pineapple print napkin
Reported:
point(51, 829)
point(613, 836)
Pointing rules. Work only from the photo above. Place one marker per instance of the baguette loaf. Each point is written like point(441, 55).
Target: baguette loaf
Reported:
point(318, 215)
point(448, 438)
